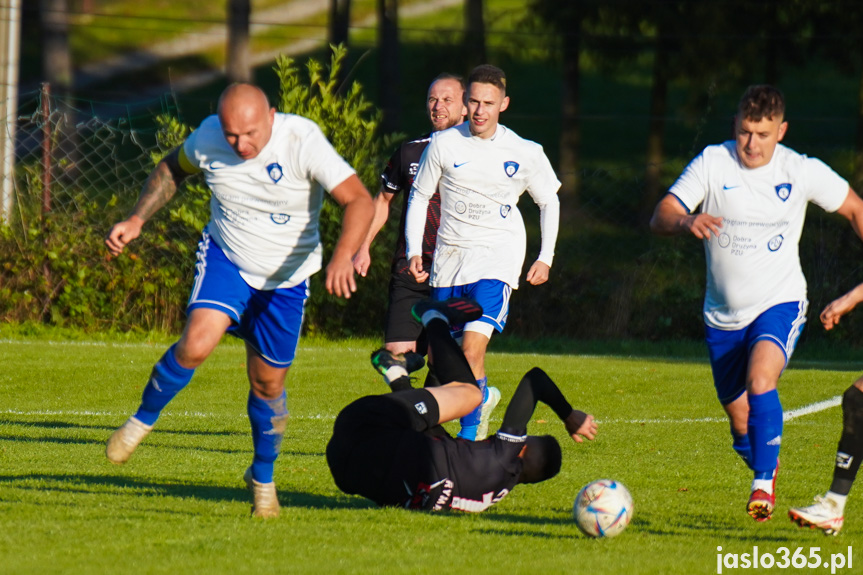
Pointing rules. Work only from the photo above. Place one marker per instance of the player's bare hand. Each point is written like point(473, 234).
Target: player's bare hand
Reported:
point(702, 225)
point(340, 278)
point(123, 233)
point(580, 424)
point(416, 269)
point(362, 260)
point(538, 273)
point(840, 306)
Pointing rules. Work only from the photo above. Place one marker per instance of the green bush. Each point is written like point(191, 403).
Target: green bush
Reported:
point(55, 267)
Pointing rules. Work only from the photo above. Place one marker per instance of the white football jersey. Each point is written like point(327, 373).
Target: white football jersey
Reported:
point(754, 264)
point(481, 233)
point(264, 211)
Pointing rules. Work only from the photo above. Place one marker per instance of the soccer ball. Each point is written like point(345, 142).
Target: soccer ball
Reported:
point(603, 508)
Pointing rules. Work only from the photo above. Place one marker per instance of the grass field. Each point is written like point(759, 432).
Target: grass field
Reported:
point(179, 506)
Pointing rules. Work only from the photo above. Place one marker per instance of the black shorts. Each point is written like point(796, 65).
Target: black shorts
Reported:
point(404, 292)
point(379, 444)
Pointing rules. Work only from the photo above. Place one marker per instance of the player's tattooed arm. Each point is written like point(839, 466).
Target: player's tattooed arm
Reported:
point(158, 189)
point(160, 186)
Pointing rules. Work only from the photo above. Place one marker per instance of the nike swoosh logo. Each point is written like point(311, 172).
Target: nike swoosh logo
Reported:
point(729, 187)
point(457, 165)
point(216, 164)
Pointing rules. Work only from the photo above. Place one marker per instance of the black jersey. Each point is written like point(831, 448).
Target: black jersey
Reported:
point(468, 475)
point(398, 177)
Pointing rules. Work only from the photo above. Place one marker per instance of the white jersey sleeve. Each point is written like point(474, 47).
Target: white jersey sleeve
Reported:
point(543, 187)
point(826, 188)
point(691, 186)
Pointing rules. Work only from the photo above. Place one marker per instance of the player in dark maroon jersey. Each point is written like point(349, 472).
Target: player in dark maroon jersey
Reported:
point(392, 449)
point(445, 107)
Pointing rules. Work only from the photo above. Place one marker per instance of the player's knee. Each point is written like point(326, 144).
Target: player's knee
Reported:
point(190, 355)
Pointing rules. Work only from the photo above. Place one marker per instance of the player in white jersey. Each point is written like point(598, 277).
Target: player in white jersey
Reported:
point(253, 262)
point(481, 169)
point(753, 194)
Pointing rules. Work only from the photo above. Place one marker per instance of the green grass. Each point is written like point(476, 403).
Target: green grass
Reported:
point(179, 505)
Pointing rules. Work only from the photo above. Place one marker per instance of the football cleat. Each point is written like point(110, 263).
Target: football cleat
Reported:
point(457, 310)
point(485, 414)
point(824, 514)
point(265, 502)
point(761, 504)
point(122, 443)
point(383, 360)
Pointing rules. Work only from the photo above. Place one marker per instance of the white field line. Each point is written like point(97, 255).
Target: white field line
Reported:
point(788, 416)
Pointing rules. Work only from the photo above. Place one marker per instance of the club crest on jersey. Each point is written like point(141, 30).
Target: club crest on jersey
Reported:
point(280, 219)
point(275, 172)
point(504, 211)
point(775, 243)
point(510, 168)
point(783, 191)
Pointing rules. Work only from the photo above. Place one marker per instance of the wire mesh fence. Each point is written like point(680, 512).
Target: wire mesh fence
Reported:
point(77, 172)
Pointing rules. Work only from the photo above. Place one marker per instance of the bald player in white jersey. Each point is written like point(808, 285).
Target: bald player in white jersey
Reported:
point(482, 168)
point(753, 193)
point(253, 262)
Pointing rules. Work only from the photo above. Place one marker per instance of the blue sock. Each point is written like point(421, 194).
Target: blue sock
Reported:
point(742, 447)
point(765, 432)
point(167, 379)
point(470, 421)
point(269, 418)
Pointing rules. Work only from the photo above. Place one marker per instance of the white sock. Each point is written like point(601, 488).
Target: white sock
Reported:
point(765, 485)
point(394, 373)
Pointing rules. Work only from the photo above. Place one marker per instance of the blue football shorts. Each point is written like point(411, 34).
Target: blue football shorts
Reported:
point(268, 320)
point(492, 295)
point(729, 349)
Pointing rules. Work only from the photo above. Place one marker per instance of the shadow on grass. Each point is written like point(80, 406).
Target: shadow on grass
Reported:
point(113, 485)
point(54, 424)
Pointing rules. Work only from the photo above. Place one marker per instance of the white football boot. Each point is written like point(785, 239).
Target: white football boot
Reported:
point(122, 443)
point(265, 501)
point(824, 514)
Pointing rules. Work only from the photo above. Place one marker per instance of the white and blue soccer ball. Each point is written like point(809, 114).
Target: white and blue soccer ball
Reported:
point(603, 508)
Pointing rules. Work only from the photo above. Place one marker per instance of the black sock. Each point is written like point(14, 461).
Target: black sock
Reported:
point(850, 449)
point(401, 384)
point(449, 360)
point(431, 377)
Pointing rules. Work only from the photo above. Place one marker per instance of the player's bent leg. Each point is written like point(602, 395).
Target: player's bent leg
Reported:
point(170, 375)
point(456, 399)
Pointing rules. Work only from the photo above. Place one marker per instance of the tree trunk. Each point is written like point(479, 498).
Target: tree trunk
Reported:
point(656, 132)
point(340, 21)
point(388, 44)
point(56, 56)
point(239, 67)
point(474, 38)
point(570, 136)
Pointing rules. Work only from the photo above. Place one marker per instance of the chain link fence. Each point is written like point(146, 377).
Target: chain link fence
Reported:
point(78, 171)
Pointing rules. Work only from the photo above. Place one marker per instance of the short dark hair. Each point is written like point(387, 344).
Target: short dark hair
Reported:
point(541, 459)
point(448, 76)
point(761, 101)
point(488, 74)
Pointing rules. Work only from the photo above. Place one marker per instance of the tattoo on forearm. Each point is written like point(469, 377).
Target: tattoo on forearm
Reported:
point(158, 189)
